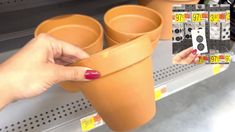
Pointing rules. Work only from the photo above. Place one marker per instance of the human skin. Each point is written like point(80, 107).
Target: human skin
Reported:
point(187, 56)
point(41, 63)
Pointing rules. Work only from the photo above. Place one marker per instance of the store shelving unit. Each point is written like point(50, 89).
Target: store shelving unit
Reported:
point(59, 111)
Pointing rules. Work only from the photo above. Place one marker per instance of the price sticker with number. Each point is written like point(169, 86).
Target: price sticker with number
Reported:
point(214, 59)
point(214, 17)
point(201, 60)
point(197, 16)
point(179, 17)
point(90, 122)
point(227, 15)
point(227, 58)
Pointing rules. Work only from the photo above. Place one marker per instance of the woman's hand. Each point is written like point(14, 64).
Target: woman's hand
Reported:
point(39, 65)
point(187, 56)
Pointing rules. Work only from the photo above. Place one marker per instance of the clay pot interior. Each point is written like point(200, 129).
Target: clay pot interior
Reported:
point(126, 22)
point(79, 30)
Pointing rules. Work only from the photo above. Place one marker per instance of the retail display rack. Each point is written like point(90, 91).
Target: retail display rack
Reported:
point(57, 110)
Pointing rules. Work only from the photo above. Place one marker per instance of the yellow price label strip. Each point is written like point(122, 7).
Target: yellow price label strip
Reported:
point(180, 17)
point(214, 59)
point(159, 92)
point(201, 60)
point(228, 16)
point(227, 58)
point(216, 68)
point(197, 17)
point(214, 17)
point(90, 122)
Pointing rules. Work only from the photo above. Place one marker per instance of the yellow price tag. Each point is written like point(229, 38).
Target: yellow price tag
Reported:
point(196, 17)
point(201, 60)
point(159, 92)
point(90, 122)
point(180, 17)
point(87, 123)
point(214, 17)
point(216, 68)
point(214, 59)
point(227, 58)
point(228, 16)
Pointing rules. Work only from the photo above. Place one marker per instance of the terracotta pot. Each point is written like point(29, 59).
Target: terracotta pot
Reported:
point(110, 41)
point(82, 31)
point(126, 22)
point(124, 95)
point(164, 7)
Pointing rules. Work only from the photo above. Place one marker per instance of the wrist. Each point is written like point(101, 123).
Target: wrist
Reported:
point(5, 94)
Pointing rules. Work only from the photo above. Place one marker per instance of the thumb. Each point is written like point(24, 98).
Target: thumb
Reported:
point(72, 73)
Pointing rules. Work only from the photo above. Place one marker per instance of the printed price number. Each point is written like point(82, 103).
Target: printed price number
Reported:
point(88, 124)
point(228, 16)
point(214, 59)
point(227, 58)
point(214, 17)
point(197, 17)
point(201, 60)
point(180, 17)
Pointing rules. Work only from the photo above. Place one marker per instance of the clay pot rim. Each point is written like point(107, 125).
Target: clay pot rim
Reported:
point(106, 35)
point(109, 53)
point(100, 35)
point(136, 6)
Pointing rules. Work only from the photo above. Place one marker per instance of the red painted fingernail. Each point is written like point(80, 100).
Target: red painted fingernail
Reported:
point(194, 52)
point(92, 74)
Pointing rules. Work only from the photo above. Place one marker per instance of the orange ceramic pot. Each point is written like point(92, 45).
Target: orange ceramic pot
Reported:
point(126, 22)
point(164, 7)
point(124, 94)
point(110, 41)
point(79, 30)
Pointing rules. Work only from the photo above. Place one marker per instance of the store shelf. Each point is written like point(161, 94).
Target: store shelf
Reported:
point(59, 111)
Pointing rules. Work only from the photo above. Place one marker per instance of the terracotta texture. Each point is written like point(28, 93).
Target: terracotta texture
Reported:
point(164, 7)
point(110, 41)
point(126, 22)
point(80, 30)
point(124, 95)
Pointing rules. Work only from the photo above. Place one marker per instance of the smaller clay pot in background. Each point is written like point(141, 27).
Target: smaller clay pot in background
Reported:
point(82, 31)
point(122, 102)
point(126, 22)
point(164, 7)
point(110, 41)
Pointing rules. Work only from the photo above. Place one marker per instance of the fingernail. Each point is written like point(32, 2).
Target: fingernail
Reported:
point(194, 52)
point(92, 74)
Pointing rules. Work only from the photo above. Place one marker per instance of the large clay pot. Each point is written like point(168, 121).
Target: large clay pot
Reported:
point(126, 22)
point(124, 94)
point(79, 30)
point(164, 7)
